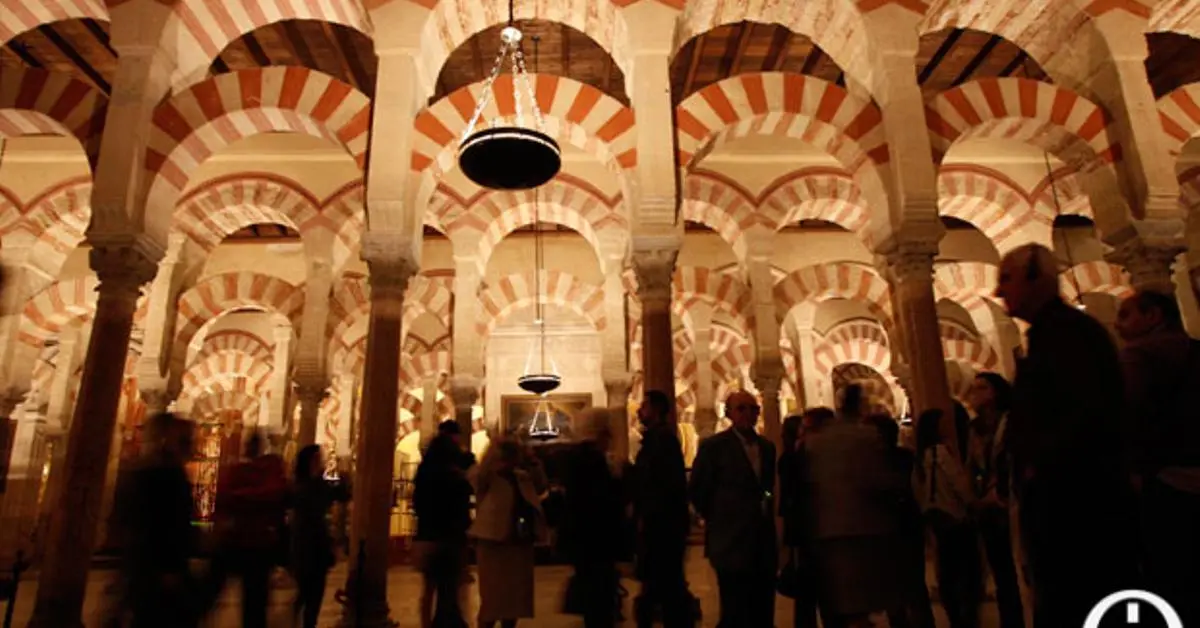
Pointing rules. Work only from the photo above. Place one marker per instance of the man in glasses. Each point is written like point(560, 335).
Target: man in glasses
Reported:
point(731, 484)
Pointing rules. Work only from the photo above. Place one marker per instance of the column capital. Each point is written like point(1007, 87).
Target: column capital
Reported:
point(312, 391)
point(390, 276)
point(124, 264)
point(464, 389)
point(654, 265)
point(1148, 261)
point(909, 253)
point(768, 379)
point(282, 333)
point(617, 385)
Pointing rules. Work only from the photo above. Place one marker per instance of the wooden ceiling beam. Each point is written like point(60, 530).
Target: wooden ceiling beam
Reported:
point(101, 36)
point(300, 49)
point(73, 55)
point(565, 58)
point(25, 55)
point(941, 53)
point(693, 66)
point(777, 53)
point(1015, 64)
point(742, 43)
point(810, 62)
point(980, 57)
point(256, 50)
point(347, 60)
point(477, 57)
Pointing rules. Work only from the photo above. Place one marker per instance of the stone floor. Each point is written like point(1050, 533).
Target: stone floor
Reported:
point(404, 592)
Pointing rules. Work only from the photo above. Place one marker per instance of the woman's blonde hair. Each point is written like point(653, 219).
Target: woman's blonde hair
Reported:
point(593, 424)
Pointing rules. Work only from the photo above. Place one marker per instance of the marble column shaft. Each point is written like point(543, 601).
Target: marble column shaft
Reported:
point(910, 270)
point(122, 270)
point(655, 270)
point(768, 386)
point(311, 395)
point(616, 388)
point(370, 521)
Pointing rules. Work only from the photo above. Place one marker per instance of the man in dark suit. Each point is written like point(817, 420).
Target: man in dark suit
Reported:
point(731, 484)
point(1074, 496)
point(663, 521)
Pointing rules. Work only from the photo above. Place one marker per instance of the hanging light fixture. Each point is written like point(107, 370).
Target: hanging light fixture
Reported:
point(508, 156)
point(538, 381)
point(1071, 276)
point(542, 426)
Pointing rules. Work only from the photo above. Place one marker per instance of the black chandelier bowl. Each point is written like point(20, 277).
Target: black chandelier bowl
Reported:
point(509, 158)
point(539, 383)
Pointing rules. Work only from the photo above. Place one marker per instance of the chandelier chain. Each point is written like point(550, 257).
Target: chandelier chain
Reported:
point(486, 97)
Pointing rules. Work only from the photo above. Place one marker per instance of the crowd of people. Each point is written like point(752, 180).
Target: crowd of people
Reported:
point(1078, 479)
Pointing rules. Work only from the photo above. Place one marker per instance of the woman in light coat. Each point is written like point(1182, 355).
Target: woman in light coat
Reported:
point(508, 524)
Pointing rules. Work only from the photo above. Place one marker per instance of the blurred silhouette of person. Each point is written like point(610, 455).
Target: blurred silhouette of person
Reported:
point(943, 488)
point(795, 501)
point(156, 509)
point(858, 548)
point(593, 508)
point(249, 517)
point(1073, 491)
point(508, 523)
point(991, 396)
point(442, 503)
point(1162, 377)
point(662, 518)
point(732, 481)
point(311, 543)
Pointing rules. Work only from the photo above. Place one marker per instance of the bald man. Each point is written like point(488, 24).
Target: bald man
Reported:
point(731, 484)
point(1064, 437)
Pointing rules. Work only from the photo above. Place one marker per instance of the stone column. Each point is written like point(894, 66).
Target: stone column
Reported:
point(59, 416)
point(280, 383)
point(427, 422)
point(705, 414)
point(464, 390)
point(910, 272)
point(768, 384)
point(805, 341)
point(1149, 261)
point(311, 394)
point(616, 388)
point(654, 264)
point(370, 522)
point(24, 480)
point(122, 269)
point(159, 324)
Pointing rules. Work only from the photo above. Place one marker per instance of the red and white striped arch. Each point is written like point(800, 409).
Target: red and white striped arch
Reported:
point(861, 341)
point(838, 280)
point(215, 295)
point(725, 338)
point(694, 284)
point(193, 124)
point(56, 220)
point(1189, 189)
point(1179, 112)
point(452, 22)
point(1096, 277)
point(962, 345)
point(26, 15)
point(575, 113)
point(733, 363)
point(217, 369)
point(36, 102)
point(199, 30)
point(786, 105)
point(817, 194)
point(719, 204)
point(235, 341)
point(1052, 118)
point(513, 292)
point(1050, 32)
point(218, 208)
point(56, 306)
point(836, 26)
point(416, 368)
point(350, 306)
point(1072, 200)
point(989, 201)
point(497, 214)
point(214, 405)
point(1176, 16)
point(344, 213)
point(969, 284)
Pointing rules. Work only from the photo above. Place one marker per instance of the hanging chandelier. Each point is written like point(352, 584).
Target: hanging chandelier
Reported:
point(542, 426)
point(538, 379)
point(509, 155)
